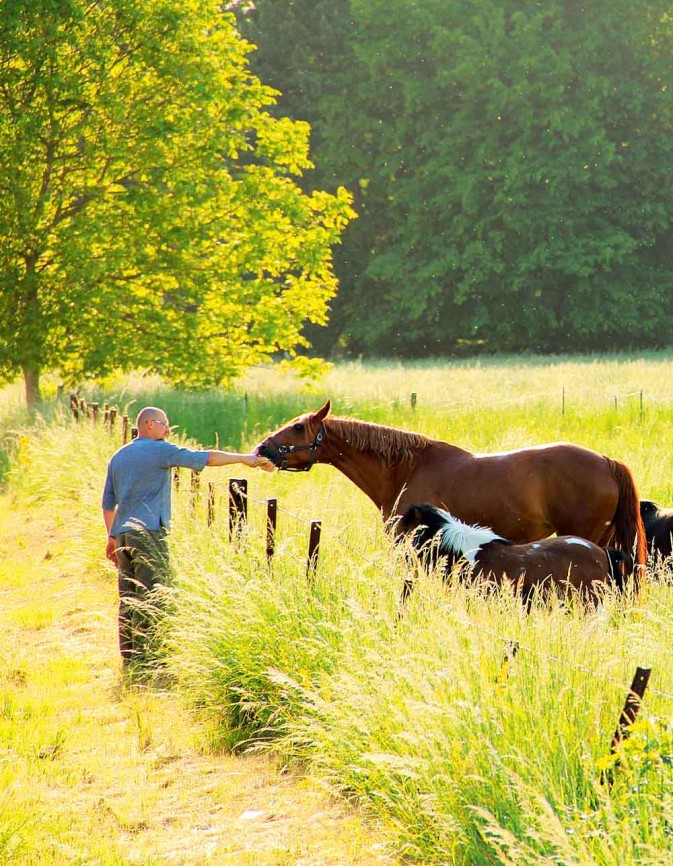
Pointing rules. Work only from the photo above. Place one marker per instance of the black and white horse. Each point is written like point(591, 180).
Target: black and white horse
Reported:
point(563, 564)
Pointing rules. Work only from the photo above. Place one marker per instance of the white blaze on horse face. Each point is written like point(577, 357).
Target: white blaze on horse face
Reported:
point(581, 541)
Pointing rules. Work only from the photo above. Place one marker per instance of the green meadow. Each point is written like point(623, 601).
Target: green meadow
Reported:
point(454, 751)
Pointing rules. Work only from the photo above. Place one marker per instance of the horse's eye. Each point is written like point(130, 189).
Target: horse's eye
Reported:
point(299, 427)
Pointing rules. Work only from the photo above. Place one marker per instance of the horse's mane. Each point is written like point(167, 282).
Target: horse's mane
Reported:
point(388, 443)
point(461, 539)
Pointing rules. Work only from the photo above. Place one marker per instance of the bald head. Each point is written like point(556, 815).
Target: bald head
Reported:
point(152, 422)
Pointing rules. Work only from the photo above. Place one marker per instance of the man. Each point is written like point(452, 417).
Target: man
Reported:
point(137, 514)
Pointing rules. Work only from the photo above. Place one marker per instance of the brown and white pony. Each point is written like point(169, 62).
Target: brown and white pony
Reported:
point(524, 495)
point(565, 565)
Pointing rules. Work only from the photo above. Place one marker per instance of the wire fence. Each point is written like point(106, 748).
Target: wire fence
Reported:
point(506, 640)
point(239, 497)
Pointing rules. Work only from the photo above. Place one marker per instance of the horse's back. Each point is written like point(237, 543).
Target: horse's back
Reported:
point(524, 495)
point(556, 557)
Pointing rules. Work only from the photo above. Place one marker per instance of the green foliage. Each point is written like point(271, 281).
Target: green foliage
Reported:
point(510, 167)
point(150, 206)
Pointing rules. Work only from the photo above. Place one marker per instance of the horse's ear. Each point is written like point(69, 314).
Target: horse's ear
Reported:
point(323, 412)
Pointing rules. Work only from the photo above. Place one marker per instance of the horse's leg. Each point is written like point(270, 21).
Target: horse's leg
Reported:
point(407, 587)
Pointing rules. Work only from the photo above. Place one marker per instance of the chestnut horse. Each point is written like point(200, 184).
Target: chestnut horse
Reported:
point(565, 564)
point(524, 495)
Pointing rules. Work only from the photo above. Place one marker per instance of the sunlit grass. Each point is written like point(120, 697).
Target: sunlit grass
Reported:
point(462, 759)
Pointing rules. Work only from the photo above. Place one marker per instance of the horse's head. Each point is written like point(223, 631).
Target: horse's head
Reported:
point(424, 524)
point(294, 446)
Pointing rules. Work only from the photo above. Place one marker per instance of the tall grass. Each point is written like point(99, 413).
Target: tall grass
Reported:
point(454, 400)
point(416, 717)
point(463, 759)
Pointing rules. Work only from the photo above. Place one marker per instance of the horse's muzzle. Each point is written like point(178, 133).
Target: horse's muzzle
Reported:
point(265, 449)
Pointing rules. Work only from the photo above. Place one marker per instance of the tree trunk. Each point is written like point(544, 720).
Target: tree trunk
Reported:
point(31, 378)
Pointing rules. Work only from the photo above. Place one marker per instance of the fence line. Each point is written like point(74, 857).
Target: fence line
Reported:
point(634, 695)
point(465, 621)
point(239, 497)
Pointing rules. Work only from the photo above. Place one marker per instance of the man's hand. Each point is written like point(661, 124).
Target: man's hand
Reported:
point(111, 550)
point(259, 462)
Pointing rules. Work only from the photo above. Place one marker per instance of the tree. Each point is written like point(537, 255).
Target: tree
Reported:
point(149, 205)
point(532, 204)
point(510, 164)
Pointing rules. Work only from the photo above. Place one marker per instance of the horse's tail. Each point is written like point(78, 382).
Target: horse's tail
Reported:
point(629, 532)
point(619, 563)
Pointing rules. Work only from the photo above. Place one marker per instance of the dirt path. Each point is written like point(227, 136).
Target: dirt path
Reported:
point(99, 767)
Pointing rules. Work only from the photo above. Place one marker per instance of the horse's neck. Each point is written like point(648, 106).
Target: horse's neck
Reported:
point(381, 481)
point(463, 541)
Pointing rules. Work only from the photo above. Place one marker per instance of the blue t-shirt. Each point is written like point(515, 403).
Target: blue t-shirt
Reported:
point(138, 482)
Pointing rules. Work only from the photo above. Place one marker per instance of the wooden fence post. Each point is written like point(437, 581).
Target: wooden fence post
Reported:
point(94, 407)
point(511, 649)
point(238, 505)
point(628, 714)
point(271, 513)
point(125, 428)
point(194, 487)
point(313, 547)
point(211, 504)
point(631, 706)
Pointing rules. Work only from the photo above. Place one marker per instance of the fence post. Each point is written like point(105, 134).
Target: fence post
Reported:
point(413, 400)
point(511, 649)
point(94, 407)
point(238, 505)
point(194, 487)
point(176, 477)
point(211, 504)
point(313, 547)
point(125, 428)
point(271, 512)
point(629, 713)
point(74, 406)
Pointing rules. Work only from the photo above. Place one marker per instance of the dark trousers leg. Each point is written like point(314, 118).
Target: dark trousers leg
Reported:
point(143, 566)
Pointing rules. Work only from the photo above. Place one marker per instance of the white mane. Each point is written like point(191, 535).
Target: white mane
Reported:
point(461, 539)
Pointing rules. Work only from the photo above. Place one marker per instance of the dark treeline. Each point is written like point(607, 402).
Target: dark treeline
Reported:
point(511, 163)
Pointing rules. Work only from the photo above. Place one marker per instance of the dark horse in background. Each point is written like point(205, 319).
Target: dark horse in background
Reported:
point(565, 564)
point(523, 495)
point(658, 523)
